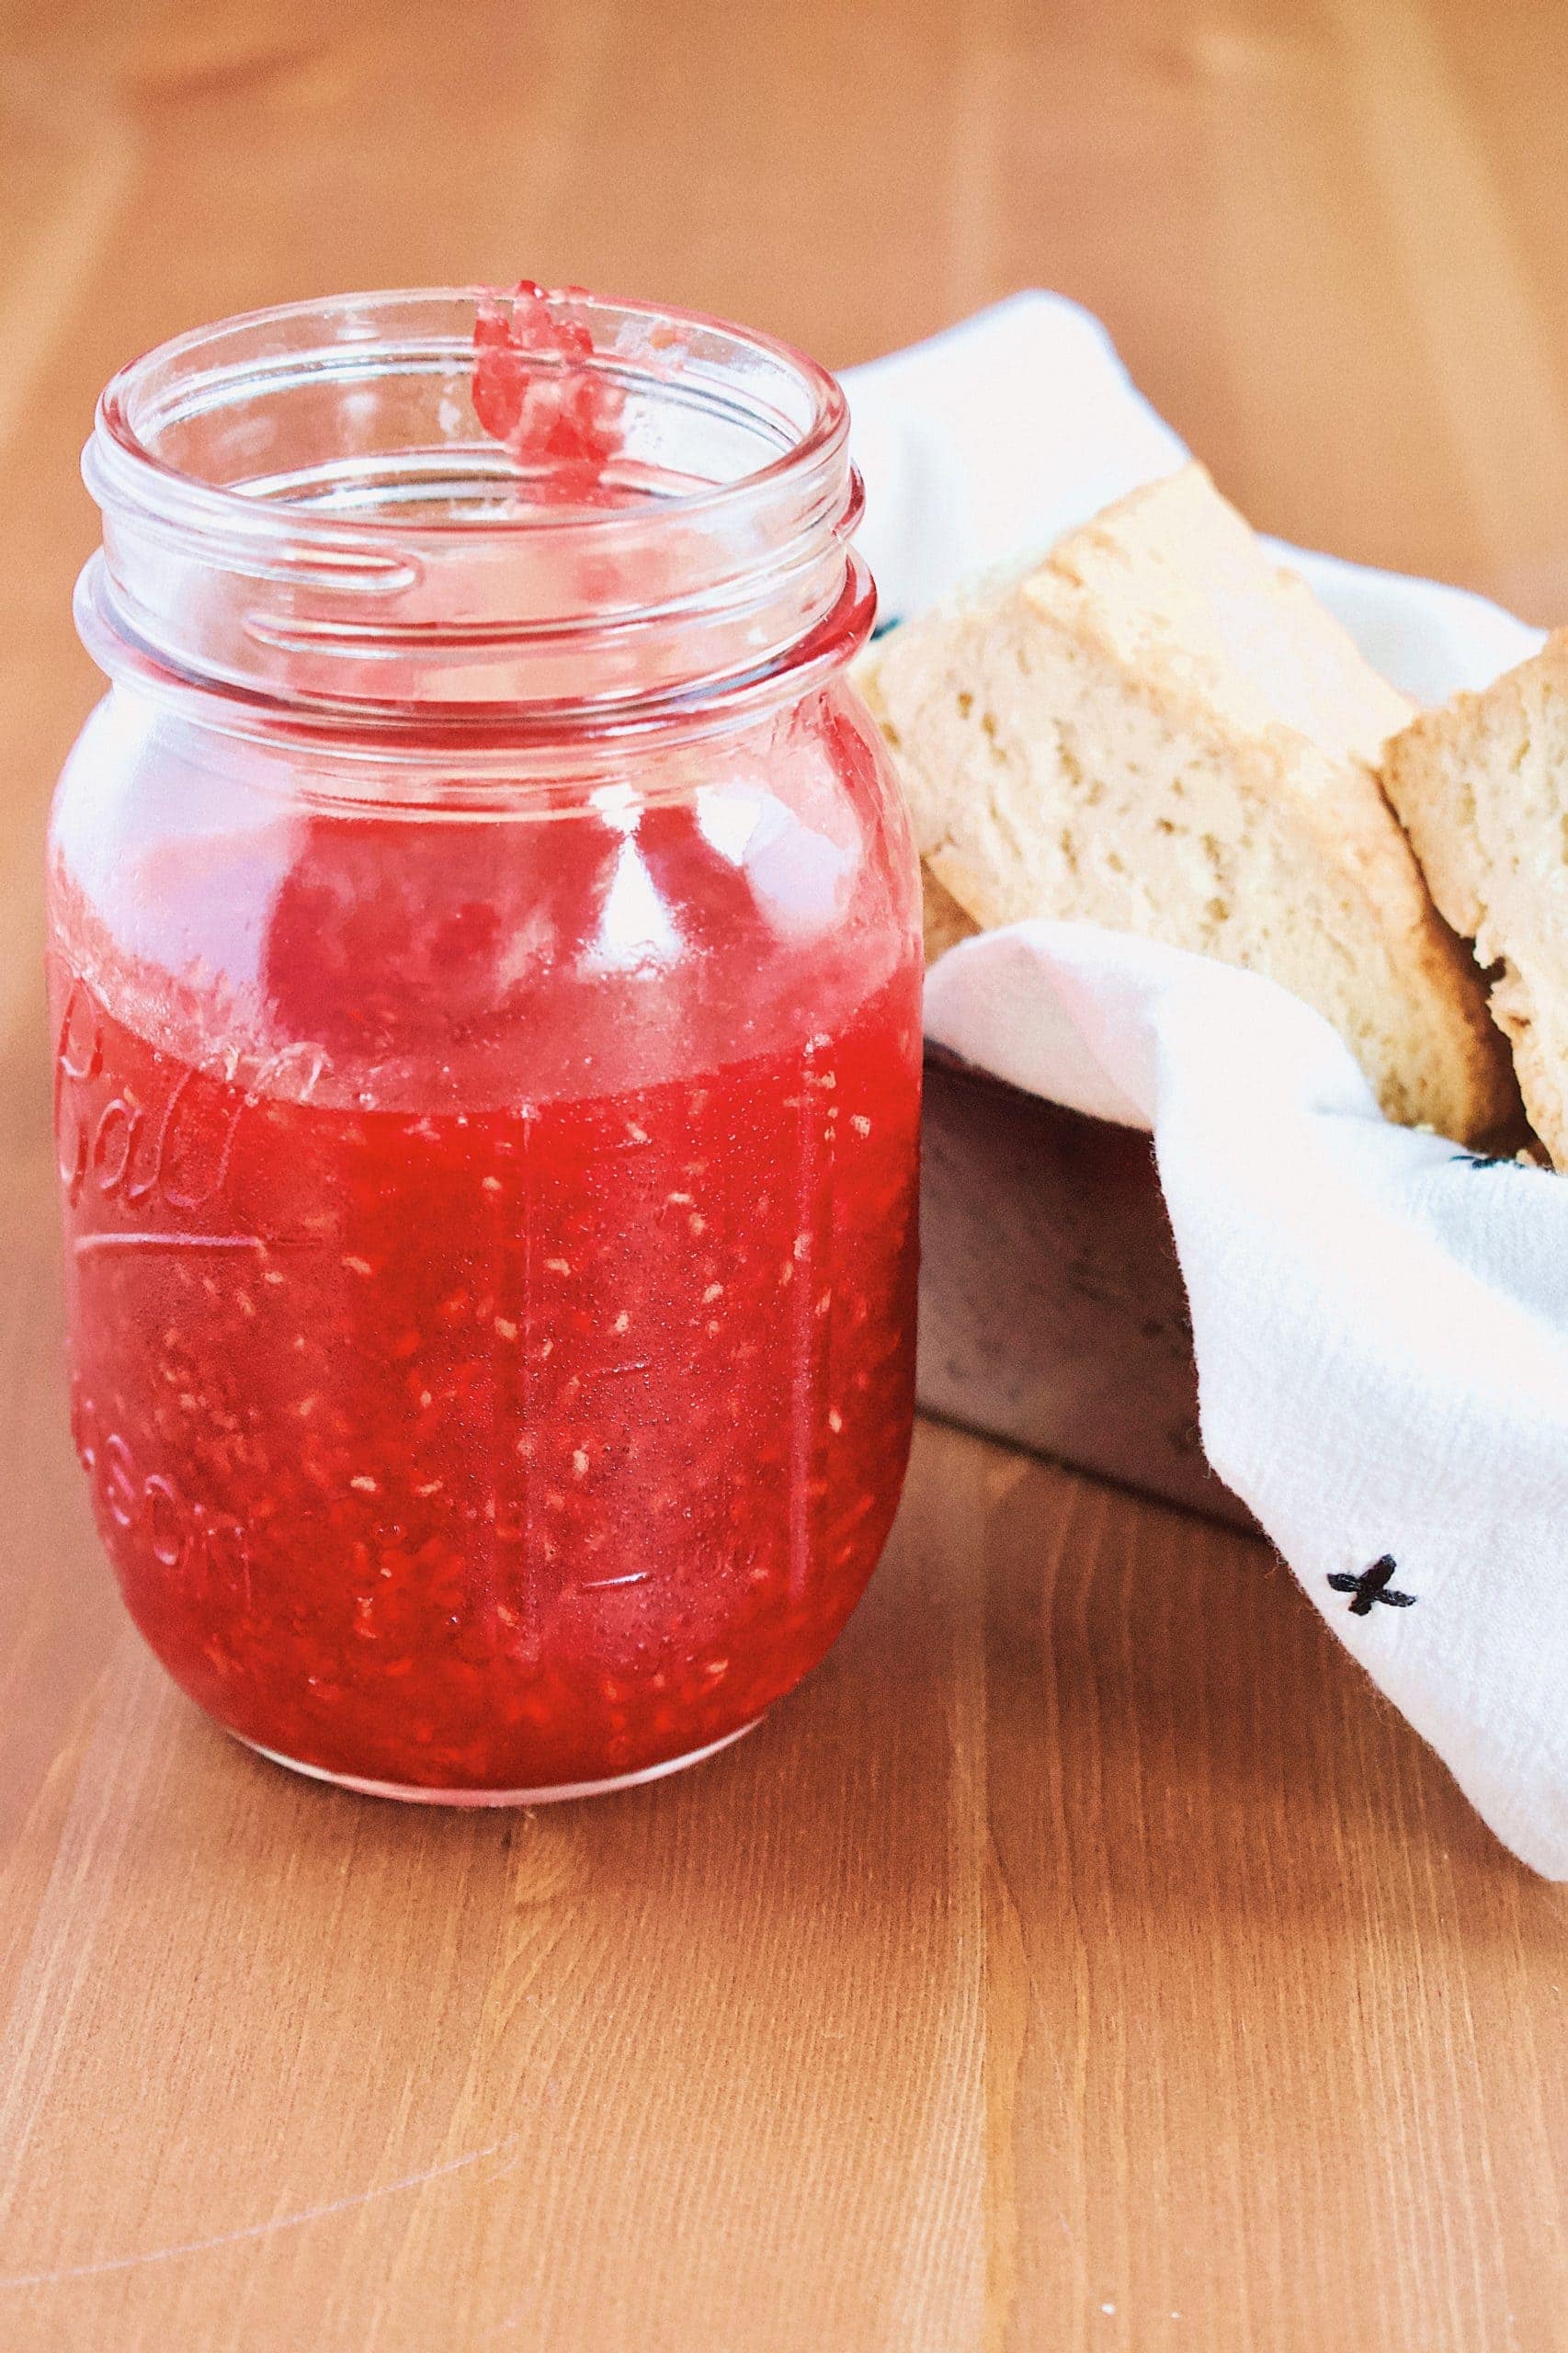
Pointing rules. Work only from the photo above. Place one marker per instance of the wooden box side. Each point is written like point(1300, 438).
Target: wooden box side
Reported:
point(1052, 1311)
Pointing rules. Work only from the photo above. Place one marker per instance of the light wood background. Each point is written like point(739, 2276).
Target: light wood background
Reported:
point(1085, 1958)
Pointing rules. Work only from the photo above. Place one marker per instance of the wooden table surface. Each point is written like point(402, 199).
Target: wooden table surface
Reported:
point(1085, 1957)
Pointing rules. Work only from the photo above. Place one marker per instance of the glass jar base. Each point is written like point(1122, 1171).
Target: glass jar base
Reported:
point(412, 1793)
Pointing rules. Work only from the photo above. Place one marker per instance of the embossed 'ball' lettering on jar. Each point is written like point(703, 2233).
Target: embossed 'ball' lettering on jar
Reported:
point(486, 979)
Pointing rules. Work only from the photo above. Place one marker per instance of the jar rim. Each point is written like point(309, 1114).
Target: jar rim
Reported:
point(118, 440)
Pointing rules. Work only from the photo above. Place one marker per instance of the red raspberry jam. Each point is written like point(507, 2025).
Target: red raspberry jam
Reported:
point(563, 421)
point(489, 1175)
point(501, 1449)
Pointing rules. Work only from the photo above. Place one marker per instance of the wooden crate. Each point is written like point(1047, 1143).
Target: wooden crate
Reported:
point(1052, 1307)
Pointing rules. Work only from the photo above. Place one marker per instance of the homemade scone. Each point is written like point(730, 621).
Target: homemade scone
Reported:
point(1159, 730)
point(1481, 787)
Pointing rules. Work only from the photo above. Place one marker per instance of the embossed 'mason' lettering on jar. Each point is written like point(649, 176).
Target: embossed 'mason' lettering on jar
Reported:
point(485, 977)
point(202, 1551)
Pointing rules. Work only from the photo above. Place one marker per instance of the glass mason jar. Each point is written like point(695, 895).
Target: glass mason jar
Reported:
point(485, 987)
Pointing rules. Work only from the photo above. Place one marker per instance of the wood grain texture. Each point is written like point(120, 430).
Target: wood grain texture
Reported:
point(1085, 1958)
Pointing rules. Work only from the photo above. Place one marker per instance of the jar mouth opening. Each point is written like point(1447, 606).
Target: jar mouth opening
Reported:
point(226, 422)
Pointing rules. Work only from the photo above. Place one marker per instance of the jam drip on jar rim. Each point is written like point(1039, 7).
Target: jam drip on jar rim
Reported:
point(537, 391)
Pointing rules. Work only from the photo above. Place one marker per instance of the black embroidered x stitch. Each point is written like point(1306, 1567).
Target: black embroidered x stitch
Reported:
point(1372, 1585)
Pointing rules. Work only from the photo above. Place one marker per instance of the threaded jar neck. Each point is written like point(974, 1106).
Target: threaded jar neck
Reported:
point(306, 516)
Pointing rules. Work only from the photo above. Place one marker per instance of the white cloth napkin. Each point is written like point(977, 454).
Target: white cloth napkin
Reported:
point(1380, 1321)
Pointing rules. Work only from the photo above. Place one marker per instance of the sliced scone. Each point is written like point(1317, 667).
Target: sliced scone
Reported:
point(1158, 730)
point(1481, 787)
